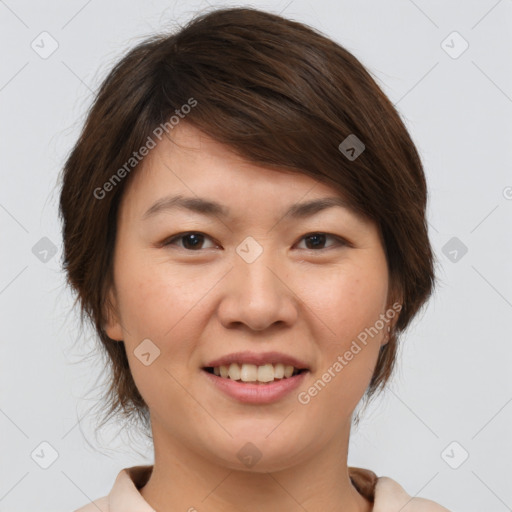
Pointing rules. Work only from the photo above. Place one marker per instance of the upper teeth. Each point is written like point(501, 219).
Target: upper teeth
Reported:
point(253, 373)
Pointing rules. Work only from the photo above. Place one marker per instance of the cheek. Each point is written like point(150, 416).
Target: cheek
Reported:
point(153, 297)
point(143, 305)
point(346, 299)
point(156, 305)
point(347, 303)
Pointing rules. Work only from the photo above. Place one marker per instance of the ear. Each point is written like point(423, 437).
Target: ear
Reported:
point(112, 326)
point(395, 304)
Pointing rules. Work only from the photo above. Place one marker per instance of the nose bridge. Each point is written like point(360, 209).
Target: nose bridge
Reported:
point(253, 264)
point(257, 295)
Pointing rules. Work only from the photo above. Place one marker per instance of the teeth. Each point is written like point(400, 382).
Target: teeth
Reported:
point(252, 373)
point(248, 373)
point(279, 371)
point(265, 373)
point(288, 371)
point(234, 371)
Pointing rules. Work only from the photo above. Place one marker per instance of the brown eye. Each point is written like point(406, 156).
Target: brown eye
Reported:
point(192, 241)
point(316, 241)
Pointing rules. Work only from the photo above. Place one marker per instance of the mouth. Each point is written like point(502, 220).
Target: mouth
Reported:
point(255, 374)
point(255, 384)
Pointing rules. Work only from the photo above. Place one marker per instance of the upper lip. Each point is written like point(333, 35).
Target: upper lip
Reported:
point(258, 359)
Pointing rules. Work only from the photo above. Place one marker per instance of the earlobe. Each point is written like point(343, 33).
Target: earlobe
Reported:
point(386, 337)
point(112, 324)
point(396, 307)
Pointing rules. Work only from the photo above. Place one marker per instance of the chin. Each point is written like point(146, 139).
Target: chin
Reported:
point(260, 448)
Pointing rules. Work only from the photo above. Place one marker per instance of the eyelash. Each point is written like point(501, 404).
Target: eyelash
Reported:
point(340, 241)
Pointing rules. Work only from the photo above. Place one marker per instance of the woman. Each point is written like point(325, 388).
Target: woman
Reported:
point(244, 224)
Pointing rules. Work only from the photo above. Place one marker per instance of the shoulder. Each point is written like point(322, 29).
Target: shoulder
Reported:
point(124, 496)
point(99, 505)
point(390, 495)
point(387, 494)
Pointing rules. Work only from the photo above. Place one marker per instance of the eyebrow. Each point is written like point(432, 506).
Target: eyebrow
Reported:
point(212, 208)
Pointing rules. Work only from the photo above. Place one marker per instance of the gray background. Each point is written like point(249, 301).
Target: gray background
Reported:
point(453, 383)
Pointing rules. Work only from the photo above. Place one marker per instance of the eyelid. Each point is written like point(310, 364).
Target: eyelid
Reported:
point(340, 241)
point(178, 236)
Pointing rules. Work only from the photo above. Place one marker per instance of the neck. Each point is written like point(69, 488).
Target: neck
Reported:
point(184, 479)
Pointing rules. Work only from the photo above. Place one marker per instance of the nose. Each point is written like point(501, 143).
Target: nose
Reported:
point(258, 295)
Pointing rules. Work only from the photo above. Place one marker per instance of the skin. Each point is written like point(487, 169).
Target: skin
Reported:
point(197, 304)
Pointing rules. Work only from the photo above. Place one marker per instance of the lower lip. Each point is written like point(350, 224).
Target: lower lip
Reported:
point(256, 393)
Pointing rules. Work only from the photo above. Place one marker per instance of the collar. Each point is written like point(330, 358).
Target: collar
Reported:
point(385, 493)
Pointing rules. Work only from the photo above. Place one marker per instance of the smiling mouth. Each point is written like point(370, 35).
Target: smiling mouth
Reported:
point(250, 373)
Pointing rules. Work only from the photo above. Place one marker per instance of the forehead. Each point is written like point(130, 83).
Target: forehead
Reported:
point(191, 164)
point(192, 154)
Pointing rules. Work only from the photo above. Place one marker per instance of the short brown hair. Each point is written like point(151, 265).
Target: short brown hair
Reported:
point(281, 95)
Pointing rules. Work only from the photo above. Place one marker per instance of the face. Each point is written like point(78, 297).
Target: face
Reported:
point(193, 285)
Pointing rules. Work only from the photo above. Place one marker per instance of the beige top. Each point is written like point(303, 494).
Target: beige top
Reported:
point(386, 494)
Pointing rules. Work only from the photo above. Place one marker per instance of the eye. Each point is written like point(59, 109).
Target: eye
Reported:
point(192, 240)
point(315, 241)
